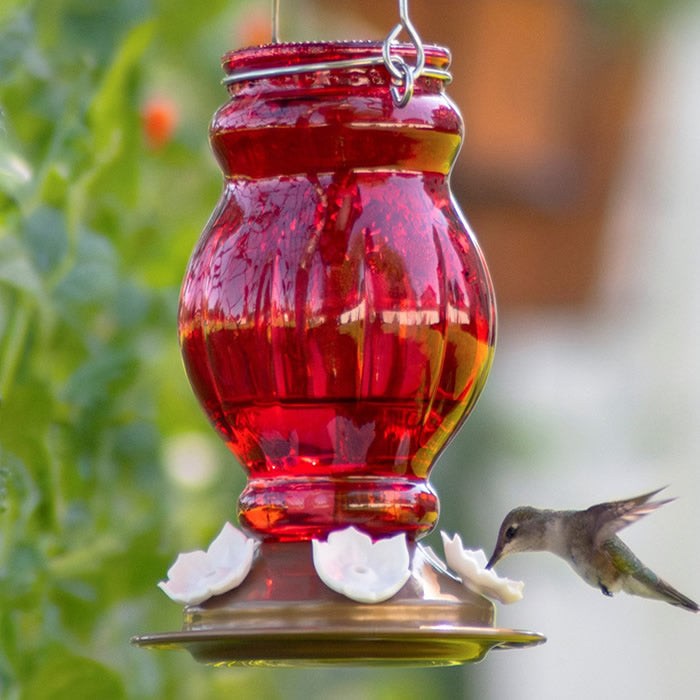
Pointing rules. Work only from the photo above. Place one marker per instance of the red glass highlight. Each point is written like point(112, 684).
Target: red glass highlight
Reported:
point(337, 318)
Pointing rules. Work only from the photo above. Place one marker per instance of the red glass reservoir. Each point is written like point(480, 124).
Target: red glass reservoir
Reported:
point(337, 318)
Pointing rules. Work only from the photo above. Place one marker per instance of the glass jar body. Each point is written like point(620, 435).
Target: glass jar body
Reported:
point(337, 319)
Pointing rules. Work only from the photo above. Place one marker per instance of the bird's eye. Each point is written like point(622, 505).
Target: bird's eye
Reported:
point(510, 532)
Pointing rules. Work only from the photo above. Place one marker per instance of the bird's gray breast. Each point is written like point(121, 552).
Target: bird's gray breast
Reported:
point(576, 541)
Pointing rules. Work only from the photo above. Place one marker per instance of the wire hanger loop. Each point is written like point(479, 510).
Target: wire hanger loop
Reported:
point(403, 75)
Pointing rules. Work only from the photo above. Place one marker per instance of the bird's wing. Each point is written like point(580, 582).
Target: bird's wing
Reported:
point(610, 518)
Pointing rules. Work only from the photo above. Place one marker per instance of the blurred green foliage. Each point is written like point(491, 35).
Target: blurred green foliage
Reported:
point(96, 226)
point(97, 222)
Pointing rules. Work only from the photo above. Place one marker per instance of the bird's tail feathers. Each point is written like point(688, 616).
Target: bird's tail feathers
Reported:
point(647, 584)
point(674, 597)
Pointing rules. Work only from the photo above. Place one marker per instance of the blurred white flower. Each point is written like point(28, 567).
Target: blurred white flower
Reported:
point(191, 461)
point(470, 565)
point(365, 571)
point(197, 576)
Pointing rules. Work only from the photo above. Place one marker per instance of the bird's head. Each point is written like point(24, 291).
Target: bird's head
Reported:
point(522, 530)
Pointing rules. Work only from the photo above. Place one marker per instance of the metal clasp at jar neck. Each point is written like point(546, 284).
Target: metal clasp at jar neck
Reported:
point(403, 75)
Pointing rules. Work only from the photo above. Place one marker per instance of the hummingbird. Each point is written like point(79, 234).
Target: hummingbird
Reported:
point(587, 540)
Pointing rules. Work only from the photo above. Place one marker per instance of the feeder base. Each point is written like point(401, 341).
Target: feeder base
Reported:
point(283, 615)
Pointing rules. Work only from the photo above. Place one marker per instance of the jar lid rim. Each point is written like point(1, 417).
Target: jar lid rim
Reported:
point(271, 60)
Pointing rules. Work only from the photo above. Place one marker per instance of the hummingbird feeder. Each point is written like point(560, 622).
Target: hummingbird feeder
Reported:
point(337, 324)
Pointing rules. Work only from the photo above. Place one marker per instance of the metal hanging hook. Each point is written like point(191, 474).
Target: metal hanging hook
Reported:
point(404, 76)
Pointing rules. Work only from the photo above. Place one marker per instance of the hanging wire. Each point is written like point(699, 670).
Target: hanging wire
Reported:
point(404, 76)
point(275, 21)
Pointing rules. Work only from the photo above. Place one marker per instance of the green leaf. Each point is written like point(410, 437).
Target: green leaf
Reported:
point(16, 314)
point(87, 559)
point(131, 305)
point(26, 413)
point(62, 675)
point(104, 373)
point(46, 237)
point(110, 103)
point(16, 28)
point(4, 476)
point(25, 416)
point(57, 182)
point(93, 279)
point(137, 443)
point(22, 491)
point(15, 171)
point(16, 269)
point(22, 576)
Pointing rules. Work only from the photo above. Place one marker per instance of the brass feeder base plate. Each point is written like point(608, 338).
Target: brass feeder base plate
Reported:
point(422, 647)
point(283, 615)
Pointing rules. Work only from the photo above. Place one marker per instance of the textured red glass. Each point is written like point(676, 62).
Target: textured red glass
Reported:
point(337, 318)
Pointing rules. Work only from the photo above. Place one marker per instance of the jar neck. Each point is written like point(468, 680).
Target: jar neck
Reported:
point(288, 151)
point(338, 118)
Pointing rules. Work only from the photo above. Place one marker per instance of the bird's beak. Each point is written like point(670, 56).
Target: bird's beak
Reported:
point(494, 557)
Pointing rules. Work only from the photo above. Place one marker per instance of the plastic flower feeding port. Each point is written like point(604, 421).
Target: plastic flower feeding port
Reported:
point(337, 324)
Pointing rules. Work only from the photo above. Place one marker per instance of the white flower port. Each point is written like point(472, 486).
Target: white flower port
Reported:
point(350, 563)
point(197, 576)
point(470, 566)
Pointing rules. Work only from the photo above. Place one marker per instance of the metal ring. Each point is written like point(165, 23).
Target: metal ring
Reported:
point(404, 75)
point(389, 60)
point(402, 91)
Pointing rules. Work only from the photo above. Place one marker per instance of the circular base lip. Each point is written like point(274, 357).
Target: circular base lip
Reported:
point(389, 646)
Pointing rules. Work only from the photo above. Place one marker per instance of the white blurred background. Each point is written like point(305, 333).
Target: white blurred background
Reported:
point(610, 397)
point(580, 173)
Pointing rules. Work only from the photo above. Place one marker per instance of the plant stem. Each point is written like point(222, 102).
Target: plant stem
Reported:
point(13, 344)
